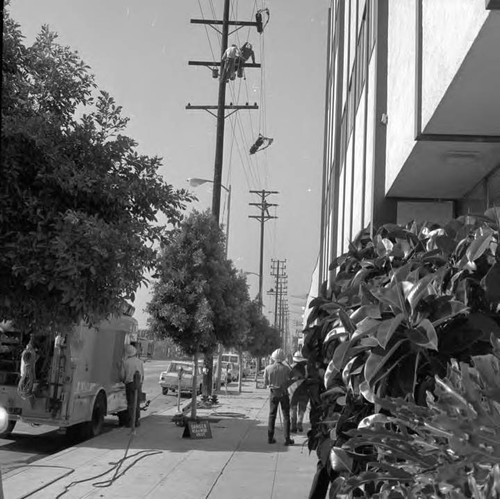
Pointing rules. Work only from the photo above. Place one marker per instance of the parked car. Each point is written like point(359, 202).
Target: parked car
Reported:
point(169, 379)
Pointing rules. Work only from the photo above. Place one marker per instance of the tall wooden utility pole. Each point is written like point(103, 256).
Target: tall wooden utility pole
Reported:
point(278, 270)
point(219, 144)
point(262, 218)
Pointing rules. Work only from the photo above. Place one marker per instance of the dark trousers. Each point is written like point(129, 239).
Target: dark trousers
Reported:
point(279, 398)
point(298, 410)
point(129, 393)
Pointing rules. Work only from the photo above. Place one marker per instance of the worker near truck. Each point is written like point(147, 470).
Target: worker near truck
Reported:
point(130, 366)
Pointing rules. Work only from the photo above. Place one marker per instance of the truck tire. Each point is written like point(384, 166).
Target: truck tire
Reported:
point(94, 427)
point(8, 430)
point(164, 390)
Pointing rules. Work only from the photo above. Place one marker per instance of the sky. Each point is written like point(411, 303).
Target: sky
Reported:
point(139, 50)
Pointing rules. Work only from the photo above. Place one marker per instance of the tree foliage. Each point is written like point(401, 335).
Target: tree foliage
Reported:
point(199, 299)
point(408, 312)
point(261, 338)
point(78, 203)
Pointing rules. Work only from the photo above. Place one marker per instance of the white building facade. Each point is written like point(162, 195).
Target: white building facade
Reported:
point(412, 115)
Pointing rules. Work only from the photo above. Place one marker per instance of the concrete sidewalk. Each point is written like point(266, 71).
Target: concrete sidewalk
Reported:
point(237, 463)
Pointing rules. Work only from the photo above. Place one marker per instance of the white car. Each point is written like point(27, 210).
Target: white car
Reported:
point(180, 371)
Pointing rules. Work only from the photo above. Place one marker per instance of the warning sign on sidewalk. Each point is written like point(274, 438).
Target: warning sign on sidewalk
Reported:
point(197, 430)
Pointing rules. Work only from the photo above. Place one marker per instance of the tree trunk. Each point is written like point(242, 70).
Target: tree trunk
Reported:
point(219, 370)
point(194, 391)
point(240, 371)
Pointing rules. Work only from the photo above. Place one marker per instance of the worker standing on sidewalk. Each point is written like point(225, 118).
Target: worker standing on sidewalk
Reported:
point(277, 377)
point(299, 397)
point(132, 365)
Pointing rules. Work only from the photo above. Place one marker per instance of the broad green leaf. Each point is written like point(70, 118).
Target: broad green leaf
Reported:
point(420, 290)
point(401, 273)
point(491, 283)
point(430, 332)
point(339, 356)
point(477, 247)
point(371, 311)
point(365, 327)
point(389, 296)
point(387, 328)
point(373, 419)
point(366, 295)
point(367, 392)
point(377, 362)
point(345, 352)
point(329, 307)
point(351, 368)
point(346, 321)
point(340, 460)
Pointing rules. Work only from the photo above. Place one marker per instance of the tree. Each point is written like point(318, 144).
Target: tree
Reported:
point(198, 300)
point(262, 338)
point(408, 335)
point(78, 203)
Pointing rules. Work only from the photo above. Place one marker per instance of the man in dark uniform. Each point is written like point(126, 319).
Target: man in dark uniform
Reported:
point(277, 377)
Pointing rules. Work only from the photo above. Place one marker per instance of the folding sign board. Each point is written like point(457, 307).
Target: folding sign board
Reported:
point(197, 430)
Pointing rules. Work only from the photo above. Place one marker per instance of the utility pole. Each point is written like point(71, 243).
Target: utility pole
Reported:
point(219, 144)
point(280, 291)
point(262, 218)
point(278, 271)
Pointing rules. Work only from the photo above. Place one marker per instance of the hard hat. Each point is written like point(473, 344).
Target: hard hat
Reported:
point(297, 357)
point(130, 350)
point(278, 355)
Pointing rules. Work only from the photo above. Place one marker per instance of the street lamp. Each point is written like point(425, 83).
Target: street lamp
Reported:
point(244, 272)
point(196, 182)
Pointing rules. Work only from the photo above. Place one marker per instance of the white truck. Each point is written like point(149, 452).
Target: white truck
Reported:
point(70, 379)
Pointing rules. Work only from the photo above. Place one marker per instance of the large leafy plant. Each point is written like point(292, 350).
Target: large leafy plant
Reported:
point(402, 305)
point(451, 447)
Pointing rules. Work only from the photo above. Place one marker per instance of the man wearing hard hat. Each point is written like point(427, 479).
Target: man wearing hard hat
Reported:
point(277, 377)
point(132, 365)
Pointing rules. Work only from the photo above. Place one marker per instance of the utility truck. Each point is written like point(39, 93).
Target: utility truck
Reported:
point(69, 379)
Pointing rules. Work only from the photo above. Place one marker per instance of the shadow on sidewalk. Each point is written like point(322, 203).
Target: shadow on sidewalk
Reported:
point(228, 434)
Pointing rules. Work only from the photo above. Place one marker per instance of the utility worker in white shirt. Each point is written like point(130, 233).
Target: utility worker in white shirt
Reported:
point(228, 63)
point(130, 366)
point(277, 377)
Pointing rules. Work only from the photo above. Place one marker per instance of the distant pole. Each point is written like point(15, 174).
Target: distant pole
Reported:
point(262, 218)
point(276, 295)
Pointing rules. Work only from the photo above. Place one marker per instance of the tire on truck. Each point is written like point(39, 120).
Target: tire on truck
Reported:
point(92, 428)
point(8, 430)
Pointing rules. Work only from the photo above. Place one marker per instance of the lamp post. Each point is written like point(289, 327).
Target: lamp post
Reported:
point(196, 182)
